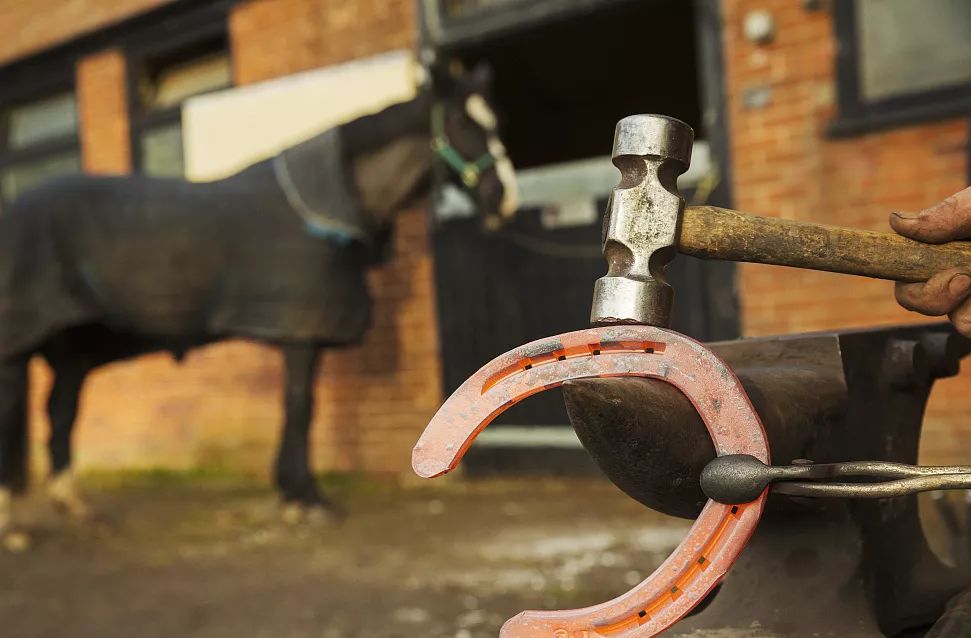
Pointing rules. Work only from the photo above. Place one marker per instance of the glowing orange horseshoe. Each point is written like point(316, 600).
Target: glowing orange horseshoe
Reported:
point(720, 532)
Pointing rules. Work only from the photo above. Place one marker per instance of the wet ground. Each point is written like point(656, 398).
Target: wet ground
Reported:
point(200, 557)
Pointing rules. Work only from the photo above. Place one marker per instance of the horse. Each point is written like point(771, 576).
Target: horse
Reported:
point(97, 269)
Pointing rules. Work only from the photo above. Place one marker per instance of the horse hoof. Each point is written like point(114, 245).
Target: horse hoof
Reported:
point(67, 498)
point(292, 513)
point(16, 542)
point(313, 515)
point(77, 511)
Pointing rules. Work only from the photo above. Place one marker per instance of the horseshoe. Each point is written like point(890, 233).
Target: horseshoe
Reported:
point(717, 536)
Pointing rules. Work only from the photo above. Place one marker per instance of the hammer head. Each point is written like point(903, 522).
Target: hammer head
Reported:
point(643, 221)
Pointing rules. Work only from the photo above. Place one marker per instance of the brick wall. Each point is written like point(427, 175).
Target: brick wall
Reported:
point(221, 406)
point(103, 113)
point(278, 37)
point(27, 26)
point(785, 165)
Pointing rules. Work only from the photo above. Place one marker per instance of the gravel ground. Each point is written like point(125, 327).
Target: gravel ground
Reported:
point(201, 557)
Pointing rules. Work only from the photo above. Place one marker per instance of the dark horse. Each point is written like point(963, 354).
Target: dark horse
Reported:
point(98, 269)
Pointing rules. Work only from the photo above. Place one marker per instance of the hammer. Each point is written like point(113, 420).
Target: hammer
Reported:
point(647, 223)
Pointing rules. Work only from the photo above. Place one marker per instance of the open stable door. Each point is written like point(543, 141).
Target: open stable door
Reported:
point(565, 73)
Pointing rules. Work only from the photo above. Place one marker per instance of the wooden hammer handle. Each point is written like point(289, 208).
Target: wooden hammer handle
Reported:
point(719, 233)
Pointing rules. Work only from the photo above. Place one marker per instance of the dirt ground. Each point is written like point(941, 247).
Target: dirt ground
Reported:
point(199, 557)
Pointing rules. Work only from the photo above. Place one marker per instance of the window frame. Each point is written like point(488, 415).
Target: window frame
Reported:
point(442, 31)
point(22, 94)
point(170, 38)
point(856, 115)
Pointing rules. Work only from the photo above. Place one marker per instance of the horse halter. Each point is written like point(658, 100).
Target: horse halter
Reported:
point(469, 172)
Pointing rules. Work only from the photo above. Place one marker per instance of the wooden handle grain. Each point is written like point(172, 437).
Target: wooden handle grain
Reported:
point(719, 233)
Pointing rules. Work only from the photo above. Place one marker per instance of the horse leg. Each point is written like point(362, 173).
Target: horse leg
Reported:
point(14, 446)
point(296, 483)
point(62, 409)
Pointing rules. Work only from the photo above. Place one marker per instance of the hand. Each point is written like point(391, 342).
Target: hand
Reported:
point(947, 292)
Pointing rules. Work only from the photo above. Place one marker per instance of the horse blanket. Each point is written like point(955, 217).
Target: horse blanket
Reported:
point(276, 252)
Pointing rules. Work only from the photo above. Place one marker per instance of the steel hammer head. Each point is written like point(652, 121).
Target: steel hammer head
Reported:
point(643, 221)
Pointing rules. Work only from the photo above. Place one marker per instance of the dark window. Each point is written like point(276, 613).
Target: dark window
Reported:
point(38, 140)
point(161, 79)
point(902, 61)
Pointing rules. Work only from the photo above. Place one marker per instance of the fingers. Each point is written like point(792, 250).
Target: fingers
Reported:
point(946, 221)
point(961, 318)
point(942, 294)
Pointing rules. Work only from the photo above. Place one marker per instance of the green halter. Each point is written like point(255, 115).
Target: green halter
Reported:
point(470, 172)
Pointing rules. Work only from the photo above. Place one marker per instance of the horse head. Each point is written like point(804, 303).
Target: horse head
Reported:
point(466, 143)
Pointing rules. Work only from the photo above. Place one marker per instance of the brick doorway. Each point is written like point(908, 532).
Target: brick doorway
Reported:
point(561, 84)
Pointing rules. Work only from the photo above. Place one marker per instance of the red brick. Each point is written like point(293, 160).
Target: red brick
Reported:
point(103, 113)
point(784, 164)
point(28, 26)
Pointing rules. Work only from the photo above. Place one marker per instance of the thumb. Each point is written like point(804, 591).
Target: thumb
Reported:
point(943, 222)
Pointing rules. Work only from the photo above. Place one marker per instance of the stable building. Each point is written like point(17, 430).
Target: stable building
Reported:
point(816, 110)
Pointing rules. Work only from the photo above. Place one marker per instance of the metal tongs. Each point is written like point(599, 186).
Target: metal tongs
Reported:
point(740, 478)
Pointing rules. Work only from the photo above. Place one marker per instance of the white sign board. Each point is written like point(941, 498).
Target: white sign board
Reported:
point(227, 131)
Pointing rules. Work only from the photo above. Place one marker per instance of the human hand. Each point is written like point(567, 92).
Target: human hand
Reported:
point(947, 292)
